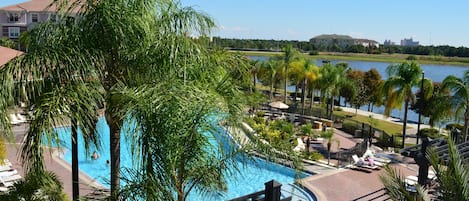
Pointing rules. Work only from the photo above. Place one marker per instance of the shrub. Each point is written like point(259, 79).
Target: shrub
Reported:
point(453, 126)
point(306, 129)
point(259, 120)
point(313, 52)
point(313, 155)
point(430, 132)
point(411, 58)
point(260, 114)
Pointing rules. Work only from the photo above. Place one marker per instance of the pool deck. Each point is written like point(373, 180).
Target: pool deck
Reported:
point(329, 182)
point(52, 162)
point(337, 184)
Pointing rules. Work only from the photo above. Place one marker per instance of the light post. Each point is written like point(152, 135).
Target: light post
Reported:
point(422, 101)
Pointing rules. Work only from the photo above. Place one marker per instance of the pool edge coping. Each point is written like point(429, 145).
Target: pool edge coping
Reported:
point(56, 157)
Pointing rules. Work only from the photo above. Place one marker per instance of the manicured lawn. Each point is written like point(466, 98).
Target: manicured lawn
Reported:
point(387, 127)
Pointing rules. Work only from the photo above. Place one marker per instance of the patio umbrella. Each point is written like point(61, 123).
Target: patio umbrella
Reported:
point(278, 105)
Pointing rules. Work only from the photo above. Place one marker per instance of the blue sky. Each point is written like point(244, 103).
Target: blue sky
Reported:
point(433, 22)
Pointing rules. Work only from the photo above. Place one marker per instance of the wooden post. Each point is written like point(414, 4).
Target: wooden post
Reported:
point(272, 191)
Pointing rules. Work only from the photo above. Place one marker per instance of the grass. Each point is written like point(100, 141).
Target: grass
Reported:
point(385, 126)
point(390, 58)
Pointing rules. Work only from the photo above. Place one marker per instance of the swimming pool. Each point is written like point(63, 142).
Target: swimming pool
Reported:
point(251, 178)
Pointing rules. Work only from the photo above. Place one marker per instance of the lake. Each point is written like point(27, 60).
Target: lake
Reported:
point(436, 73)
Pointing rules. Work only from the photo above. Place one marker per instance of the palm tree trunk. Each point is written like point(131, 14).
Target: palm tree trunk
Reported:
point(115, 156)
point(285, 83)
point(311, 103)
point(303, 98)
point(466, 120)
point(332, 107)
point(75, 182)
point(404, 125)
point(296, 92)
point(254, 82)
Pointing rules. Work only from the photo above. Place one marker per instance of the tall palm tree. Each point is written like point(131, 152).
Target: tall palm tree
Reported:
point(398, 88)
point(60, 89)
point(255, 67)
point(333, 77)
point(290, 54)
point(460, 99)
point(268, 71)
point(127, 42)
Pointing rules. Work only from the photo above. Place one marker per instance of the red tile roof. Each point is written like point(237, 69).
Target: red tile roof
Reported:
point(33, 5)
point(7, 54)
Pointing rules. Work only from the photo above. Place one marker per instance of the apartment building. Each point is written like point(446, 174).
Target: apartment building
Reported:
point(15, 19)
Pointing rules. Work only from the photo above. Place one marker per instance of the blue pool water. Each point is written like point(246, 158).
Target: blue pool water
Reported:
point(251, 178)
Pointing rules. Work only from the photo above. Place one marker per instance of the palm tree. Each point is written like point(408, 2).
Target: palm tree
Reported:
point(398, 88)
point(460, 99)
point(269, 71)
point(333, 77)
point(177, 157)
point(255, 67)
point(59, 90)
point(452, 176)
point(126, 43)
point(290, 54)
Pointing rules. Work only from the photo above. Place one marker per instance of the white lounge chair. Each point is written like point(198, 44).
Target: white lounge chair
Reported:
point(11, 178)
point(380, 160)
point(8, 173)
point(21, 118)
point(14, 120)
point(362, 163)
point(410, 182)
point(300, 146)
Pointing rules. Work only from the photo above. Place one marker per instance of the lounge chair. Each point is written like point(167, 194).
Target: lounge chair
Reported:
point(300, 146)
point(14, 120)
point(410, 182)
point(362, 163)
point(21, 118)
point(11, 178)
point(8, 173)
point(380, 160)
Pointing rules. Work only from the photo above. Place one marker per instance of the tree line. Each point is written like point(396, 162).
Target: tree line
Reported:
point(306, 46)
point(437, 101)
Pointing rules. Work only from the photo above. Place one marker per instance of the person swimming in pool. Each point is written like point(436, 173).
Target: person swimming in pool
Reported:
point(95, 155)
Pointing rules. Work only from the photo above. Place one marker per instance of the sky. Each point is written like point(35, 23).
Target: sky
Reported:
point(431, 22)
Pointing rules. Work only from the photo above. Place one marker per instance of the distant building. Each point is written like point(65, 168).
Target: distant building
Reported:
point(341, 41)
point(388, 43)
point(15, 19)
point(409, 42)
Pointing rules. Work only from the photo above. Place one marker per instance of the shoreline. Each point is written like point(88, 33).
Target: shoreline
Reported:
point(386, 58)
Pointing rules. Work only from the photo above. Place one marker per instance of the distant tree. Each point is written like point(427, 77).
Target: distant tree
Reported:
point(373, 84)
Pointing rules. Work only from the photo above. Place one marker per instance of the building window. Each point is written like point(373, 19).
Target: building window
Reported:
point(13, 32)
point(53, 17)
point(14, 17)
point(34, 17)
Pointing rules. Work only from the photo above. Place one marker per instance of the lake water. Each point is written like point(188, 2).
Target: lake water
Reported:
point(435, 72)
